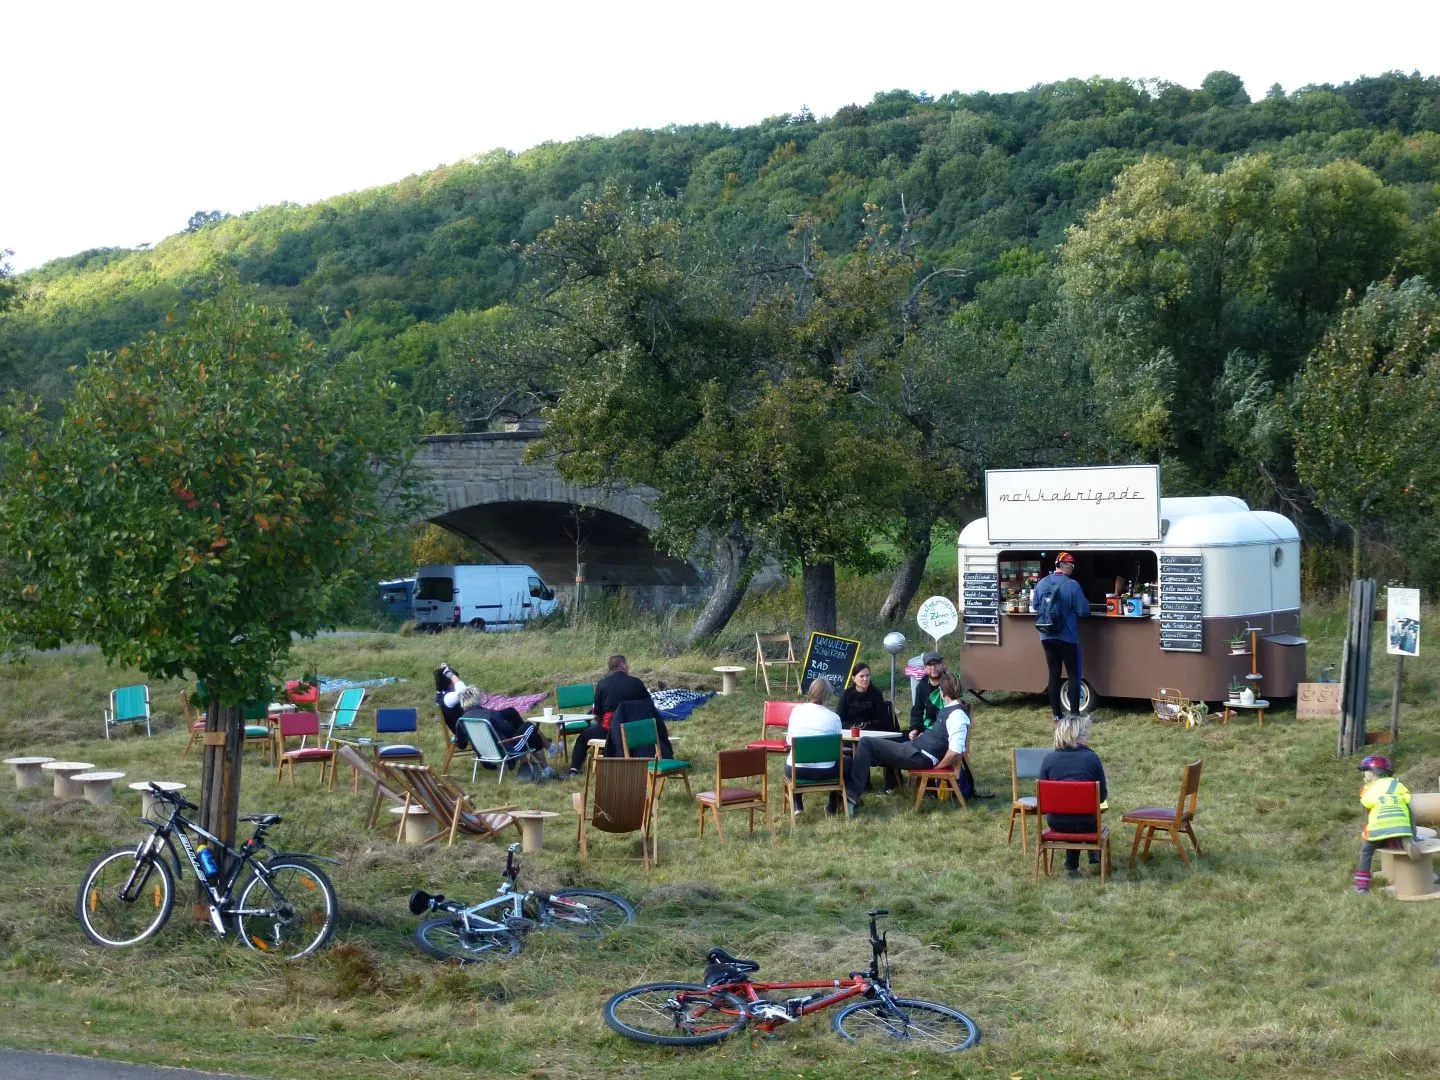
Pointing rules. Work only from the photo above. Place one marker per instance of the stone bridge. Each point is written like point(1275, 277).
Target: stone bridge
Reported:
point(524, 512)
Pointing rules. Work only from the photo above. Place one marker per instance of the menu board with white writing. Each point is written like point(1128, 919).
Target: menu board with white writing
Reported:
point(1182, 603)
point(830, 658)
point(982, 599)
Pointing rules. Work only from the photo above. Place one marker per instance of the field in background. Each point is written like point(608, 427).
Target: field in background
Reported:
point(1260, 963)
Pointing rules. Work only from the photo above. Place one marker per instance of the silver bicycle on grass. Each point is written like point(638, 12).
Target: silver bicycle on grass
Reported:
point(493, 930)
point(286, 905)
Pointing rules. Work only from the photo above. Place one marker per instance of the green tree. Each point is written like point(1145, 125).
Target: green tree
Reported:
point(206, 494)
point(1367, 410)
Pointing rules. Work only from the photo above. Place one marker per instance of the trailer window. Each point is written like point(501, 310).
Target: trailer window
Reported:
point(435, 588)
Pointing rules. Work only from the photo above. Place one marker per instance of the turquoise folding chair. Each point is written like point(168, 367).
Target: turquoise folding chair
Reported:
point(347, 708)
point(128, 705)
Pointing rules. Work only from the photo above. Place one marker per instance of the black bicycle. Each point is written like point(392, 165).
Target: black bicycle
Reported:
point(285, 906)
point(492, 929)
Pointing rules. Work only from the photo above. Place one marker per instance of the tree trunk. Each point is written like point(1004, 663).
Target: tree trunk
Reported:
point(818, 579)
point(1354, 553)
point(731, 553)
point(220, 782)
point(911, 569)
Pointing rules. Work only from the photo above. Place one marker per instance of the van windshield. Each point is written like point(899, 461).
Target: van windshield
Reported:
point(435, 588)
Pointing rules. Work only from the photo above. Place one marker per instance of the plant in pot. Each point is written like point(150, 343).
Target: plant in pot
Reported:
point(1239, 642)
point(1234, 690)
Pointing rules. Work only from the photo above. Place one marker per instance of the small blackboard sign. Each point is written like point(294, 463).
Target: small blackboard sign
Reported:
point(830, 658)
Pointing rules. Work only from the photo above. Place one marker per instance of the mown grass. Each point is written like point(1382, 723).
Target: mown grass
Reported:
point(1260, 963)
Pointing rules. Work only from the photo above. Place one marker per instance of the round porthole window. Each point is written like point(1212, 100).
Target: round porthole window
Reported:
point(1279, 556)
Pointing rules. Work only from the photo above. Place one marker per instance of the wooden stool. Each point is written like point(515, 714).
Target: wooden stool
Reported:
point(27, 770)
point(148, 805)
point(943, 782)
point(728, 672)
point(1411, 872)
point(532, 827)
point(419, 825)
point(63, 771)
point(98, 786)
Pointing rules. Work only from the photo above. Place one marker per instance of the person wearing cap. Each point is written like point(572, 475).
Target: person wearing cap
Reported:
point(1064, 597)
point(448, 688)
point(925, 701)
point(1389, 824)
point(941, 746)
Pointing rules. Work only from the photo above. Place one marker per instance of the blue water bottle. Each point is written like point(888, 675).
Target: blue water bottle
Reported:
point(206, 858)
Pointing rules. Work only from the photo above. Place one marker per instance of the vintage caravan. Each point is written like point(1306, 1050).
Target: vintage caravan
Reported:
point(1172, 582)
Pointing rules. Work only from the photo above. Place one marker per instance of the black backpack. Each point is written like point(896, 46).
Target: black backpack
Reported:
point(1046, 620)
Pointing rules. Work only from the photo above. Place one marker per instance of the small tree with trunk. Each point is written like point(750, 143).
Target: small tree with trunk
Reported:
point(207, 493)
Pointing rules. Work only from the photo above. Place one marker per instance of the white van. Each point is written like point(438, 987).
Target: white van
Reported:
point(480, 597)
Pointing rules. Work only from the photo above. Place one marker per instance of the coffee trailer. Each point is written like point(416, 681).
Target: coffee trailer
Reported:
point(1203, 572)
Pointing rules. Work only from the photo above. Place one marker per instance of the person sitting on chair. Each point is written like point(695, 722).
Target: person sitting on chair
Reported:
point(925, 701)
point(1073, 760)
point(617, 686)
point(813, 717)
point(863, 706)
point(448, 688)
point(507, 723)
point(939, 746)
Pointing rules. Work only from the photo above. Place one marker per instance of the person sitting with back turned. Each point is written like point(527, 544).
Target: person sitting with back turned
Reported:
point(1073, 760)
point(925, 701)
point(507, 723)
point(863, 706)
point(937, 747)
point(1059, 601)
point(617, 686)
point(813, 717)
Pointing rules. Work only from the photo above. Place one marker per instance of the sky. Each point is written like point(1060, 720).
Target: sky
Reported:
point(118, 121)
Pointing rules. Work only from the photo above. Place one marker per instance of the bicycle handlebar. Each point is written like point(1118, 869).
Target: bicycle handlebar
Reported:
point(172, 797)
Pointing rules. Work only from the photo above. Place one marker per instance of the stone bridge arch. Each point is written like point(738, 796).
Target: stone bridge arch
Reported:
point(525, 512)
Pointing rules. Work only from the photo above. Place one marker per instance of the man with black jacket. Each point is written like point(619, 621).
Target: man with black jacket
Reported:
point(939, 746)
point(610, 692)
point(925, 701)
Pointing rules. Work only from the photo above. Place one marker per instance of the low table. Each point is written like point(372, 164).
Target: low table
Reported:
point(865, 733)
point(728, 672)
point(1258, 707)
point(558, 721)
point(27, 770)
point(532, 827)
point(63, 771)
point(419, 825)
point(148, 803)
point(98, 786)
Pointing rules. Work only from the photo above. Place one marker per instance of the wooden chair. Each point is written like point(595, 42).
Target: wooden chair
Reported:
point(398, 722)
point(446, 803)
point(617, 799)
point(256, 717)
point(639, 738)
point(764, 663)
point(572, 698)
point(810, 750)
point(1025, 762)
point(302, 725)
point(774, 723)
point(1148, 820)
point(1080, 798)
point(737, 765)
point(128, 705)
point(943, 782)
point(195, 724)
point(363, 770)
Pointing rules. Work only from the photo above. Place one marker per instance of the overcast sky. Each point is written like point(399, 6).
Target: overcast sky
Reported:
point(121, 120)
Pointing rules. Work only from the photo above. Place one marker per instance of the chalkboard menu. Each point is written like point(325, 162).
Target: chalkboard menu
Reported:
point(1182, 603)
point(830, 658)
point(982, 599)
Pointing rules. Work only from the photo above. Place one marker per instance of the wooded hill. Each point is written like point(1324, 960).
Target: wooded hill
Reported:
point(1193, 246)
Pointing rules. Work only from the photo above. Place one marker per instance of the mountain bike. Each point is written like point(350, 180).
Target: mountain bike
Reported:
point(687, 1014)
point(285, 906)
point(467, 933)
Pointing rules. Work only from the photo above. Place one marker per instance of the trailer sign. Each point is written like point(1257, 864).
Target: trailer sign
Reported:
point(1105, 503)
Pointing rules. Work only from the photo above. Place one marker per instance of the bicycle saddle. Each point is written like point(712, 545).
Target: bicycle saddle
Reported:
point(720, 956)
point(262, 819)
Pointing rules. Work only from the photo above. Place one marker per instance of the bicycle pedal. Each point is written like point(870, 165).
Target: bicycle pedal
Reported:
point(217, 920)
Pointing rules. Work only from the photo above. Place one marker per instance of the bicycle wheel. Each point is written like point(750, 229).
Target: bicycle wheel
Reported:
point(124, 900)
point(902, 1023)
point(290, 912)
point(592, 913)
point(656, 1013)
point(443, 938)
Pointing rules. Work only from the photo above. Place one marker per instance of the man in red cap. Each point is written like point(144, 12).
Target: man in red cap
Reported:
point(1059, 602)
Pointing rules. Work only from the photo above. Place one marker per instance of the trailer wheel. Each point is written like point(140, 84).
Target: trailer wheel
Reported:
point(1067, 697)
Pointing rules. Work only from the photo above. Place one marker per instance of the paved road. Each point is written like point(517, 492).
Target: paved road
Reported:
point(23, 1065)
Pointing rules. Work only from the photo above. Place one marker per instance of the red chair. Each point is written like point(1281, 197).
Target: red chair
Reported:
point(1078, 798)
point(773, 726)
point(299, 692)
point(303, 725)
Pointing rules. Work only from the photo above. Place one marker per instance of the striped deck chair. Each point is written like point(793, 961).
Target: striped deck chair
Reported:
point(446, 803)
point(621, 802)
point(364, 770)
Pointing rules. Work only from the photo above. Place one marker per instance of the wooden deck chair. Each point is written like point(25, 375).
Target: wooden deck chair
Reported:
point(617, 799)
point(774, 657)
point(194, 723)
point(737, 765)
point(639, 738)
point(1148, 820)
point(128, 705)
point(364, 770)
point(449, 806)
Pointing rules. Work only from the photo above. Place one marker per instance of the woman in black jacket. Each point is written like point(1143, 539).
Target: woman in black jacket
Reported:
point(1073, 760)
point(863, 706)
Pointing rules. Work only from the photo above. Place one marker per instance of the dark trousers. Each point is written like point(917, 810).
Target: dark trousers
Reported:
point(809, 772)
point(1368, 849)
point(892, 752)
point(1073, 823)
point(580, 747)
point(1057, 652)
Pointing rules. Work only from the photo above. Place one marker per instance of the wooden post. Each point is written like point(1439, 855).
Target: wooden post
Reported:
point(1395, 703)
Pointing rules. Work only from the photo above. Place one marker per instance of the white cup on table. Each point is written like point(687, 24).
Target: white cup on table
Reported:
point(549, 713)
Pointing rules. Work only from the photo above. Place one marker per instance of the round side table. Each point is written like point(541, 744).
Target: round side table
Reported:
point(27, 770)
point(727, 677)
point(65, 788)
point(148, 806)
point(98, 786)
point(532, 827)
point(419, 825)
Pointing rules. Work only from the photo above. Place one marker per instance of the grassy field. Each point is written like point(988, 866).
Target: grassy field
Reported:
point(1259, 963)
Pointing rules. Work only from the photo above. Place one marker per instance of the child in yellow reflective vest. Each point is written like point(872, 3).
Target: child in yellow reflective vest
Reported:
point(1389, 824)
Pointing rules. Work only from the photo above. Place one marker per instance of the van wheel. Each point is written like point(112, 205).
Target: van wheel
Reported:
point(476, 624)
point(1067, 697)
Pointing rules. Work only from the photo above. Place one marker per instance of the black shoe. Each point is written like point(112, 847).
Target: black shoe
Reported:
point(1072, 871)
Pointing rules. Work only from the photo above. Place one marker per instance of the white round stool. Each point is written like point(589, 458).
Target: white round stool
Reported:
point(98, 786)
point(148, 806)
point(27, 770)
point(419, 825)
point(63, 771)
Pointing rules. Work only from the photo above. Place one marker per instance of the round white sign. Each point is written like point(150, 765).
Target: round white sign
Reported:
point(937, 617)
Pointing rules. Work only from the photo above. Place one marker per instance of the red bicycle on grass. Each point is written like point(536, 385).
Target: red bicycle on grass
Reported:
point(686, 1014)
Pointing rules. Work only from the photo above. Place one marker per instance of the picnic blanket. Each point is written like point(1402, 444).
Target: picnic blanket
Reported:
point(677, 704)
point(331, 685)
point(521, 703)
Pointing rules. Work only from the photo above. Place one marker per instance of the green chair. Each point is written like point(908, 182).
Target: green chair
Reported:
point(128, 705)
point(573, 698)
point(814, 750)
point(638, 739)
point(256, 716)
point(347, 708)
